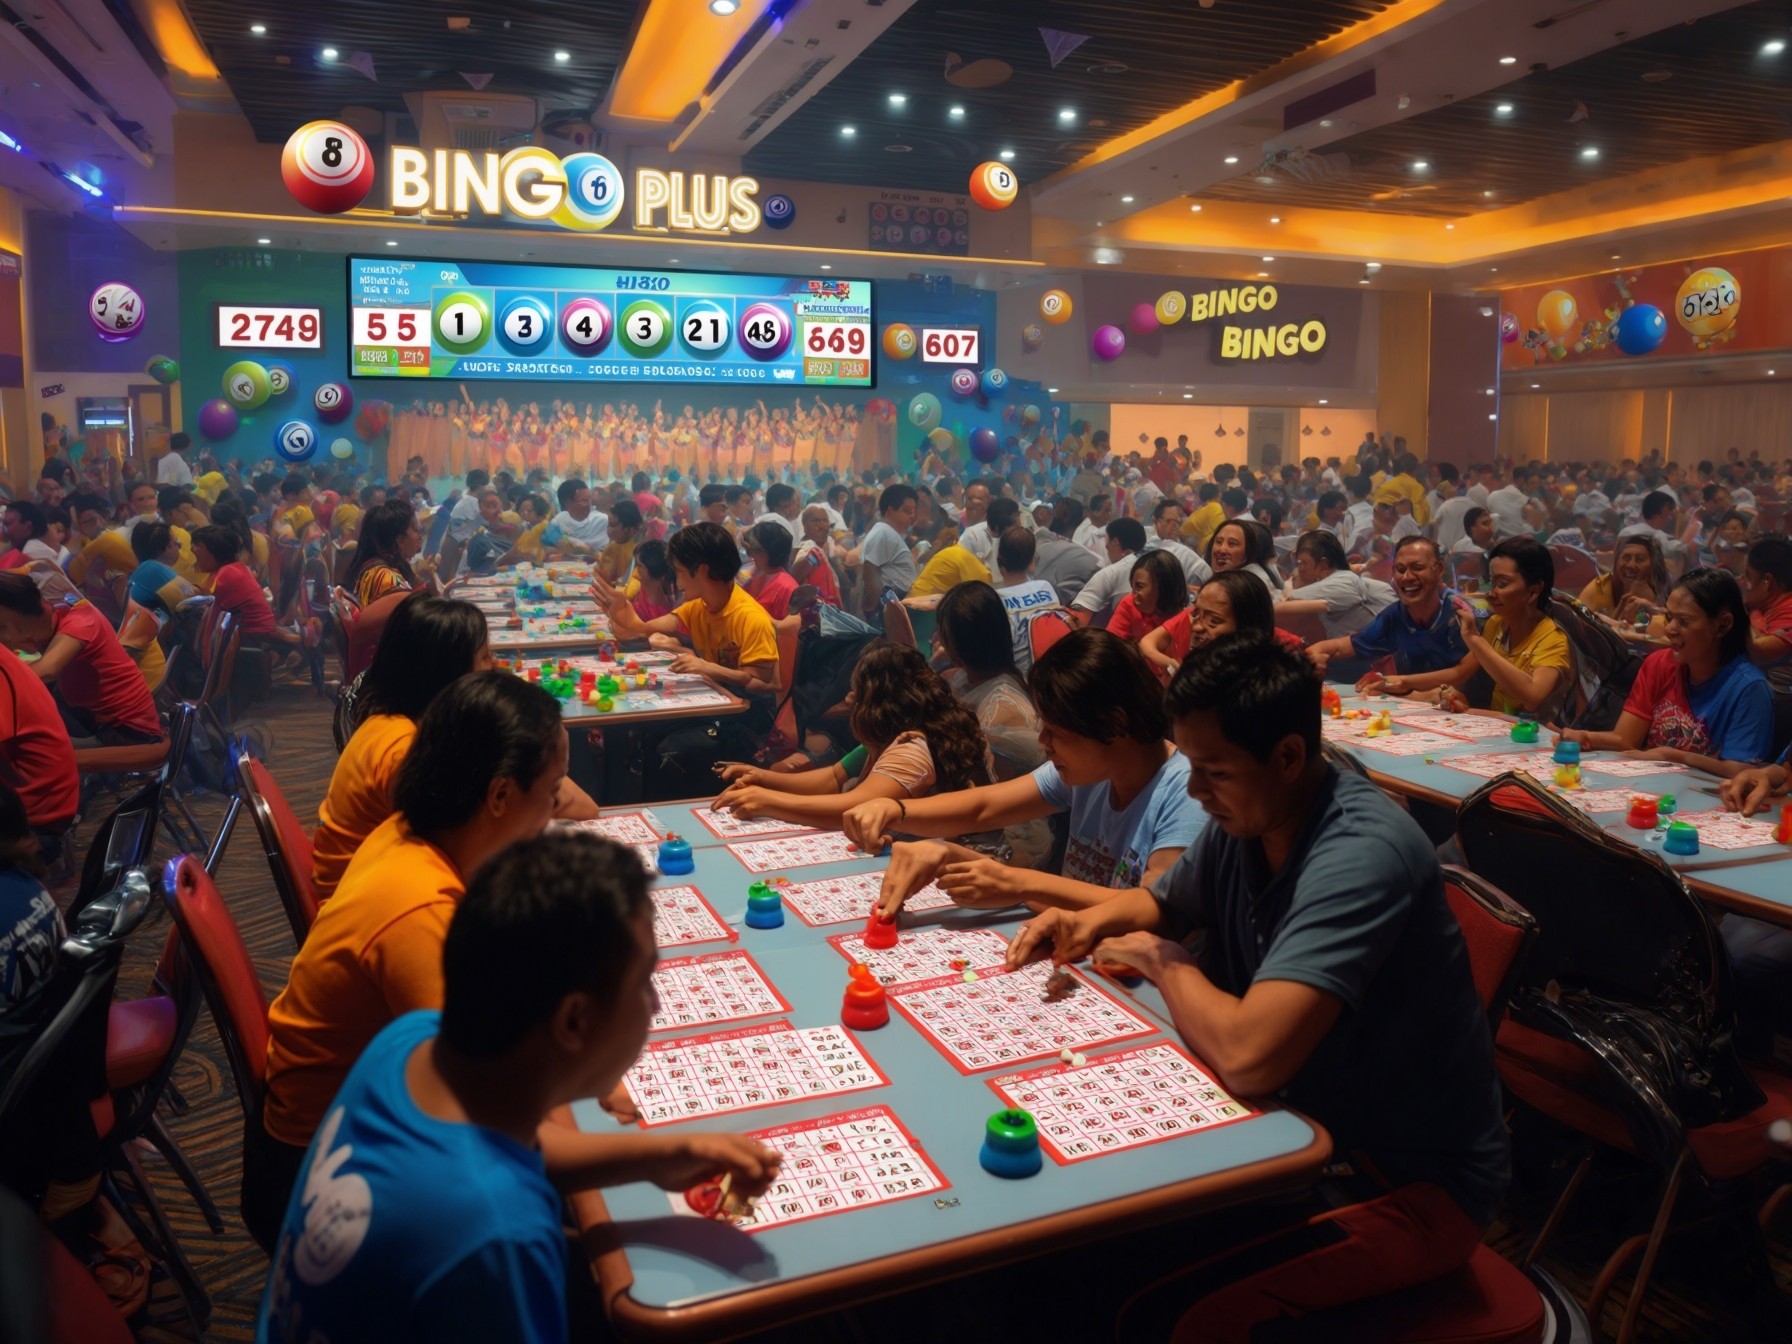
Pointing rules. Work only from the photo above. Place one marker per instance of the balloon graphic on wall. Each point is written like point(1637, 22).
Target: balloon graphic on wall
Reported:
point(1639, 329)
point(995, 382)
point(1556, 313)
point(964, 381)
point(1143, 319)
point(1171, 307)
point(116, 311)
point(163, 370)
point(1029, 415)
point(1508, 328)
point(333, 403)
point(246, 385)
point(1108, 343)
point(217, 419)
point(942, 439)
point(899, 340)
point(924, 411)
point(296, 441)
point(1032, 336)
point(342, 450)
point(280, 379)
point(994, 186)
point(985, 444)
point(881, 407)
point(1708, 302)
point(1055, 307)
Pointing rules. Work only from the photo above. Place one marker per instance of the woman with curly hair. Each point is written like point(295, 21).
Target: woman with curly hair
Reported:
point(915, 739)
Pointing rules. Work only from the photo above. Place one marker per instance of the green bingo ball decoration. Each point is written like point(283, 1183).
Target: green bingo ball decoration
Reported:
point(645, 328)
point(246, 385)
point(342, 450)
point(163, 370)
point(462, 321)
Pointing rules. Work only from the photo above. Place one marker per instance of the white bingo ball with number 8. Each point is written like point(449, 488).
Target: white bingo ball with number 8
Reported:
point(462, 321)
point(645, 328)
point(116, 311)
point(525, 325)
point(703, 327)
point(584, 326)
point(295, 441)
point(327, 167)
point(765, 330)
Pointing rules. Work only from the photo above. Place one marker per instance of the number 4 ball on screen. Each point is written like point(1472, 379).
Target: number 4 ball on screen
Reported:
point(585, 326)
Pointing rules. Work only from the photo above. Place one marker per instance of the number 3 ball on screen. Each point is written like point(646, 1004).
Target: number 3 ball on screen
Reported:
point(765, 330)
point(704, 327)
point(525, 326)
point(462, 321)
point(645, 329)
point(585, 326)
point(994, 186)
point(333, 403)
point(295, 441)
point(327, 167)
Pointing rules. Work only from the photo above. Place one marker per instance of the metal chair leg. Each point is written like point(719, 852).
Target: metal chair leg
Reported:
point(1633, 1310)
point(159, 1239)
point(1557, 1213)
point(164, 1143)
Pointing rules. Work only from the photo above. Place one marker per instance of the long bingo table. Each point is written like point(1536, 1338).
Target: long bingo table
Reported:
point(882, 1189)
point(1441, 758)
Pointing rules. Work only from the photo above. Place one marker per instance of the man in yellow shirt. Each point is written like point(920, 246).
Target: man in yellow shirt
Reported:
point(945, 569)
point(1198, 528)
point(1406, 480)
point(735, 641)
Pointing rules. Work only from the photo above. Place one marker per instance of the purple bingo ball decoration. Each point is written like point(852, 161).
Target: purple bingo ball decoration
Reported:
point(1640, 328)
point(217, 419)
point(333, 402)
point(1108, 343)
point(1143, 319)
point(116, 311)
point(765, 330)
point(964, 381)
point(986, 445)
point(1508, 328)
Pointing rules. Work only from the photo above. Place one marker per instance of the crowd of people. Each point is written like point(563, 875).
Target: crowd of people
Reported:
point(1153, 774)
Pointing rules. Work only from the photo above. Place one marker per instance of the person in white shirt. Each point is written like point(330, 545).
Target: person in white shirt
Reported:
point(1507, 504)
point(1023, 596)
point(974, 532)
point(463, 519)
point(1166, 522)
point(1477, 533)
point(1658, 516)
point(1092, 534)
point(1326, 587)
point(577, 527)
point(886, 563)
point(173, 468)
point(1125, 540)
point(1486, 481)
point(1450, 518)
point(783, 507)
point(1361, 514)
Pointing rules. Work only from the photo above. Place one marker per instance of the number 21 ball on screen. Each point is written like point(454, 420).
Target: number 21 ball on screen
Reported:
point(645, 329)
point(704, 328)
point(327, 167)
point(525, 325)
point(585, 326)
point(994, 186)
point(765, 330)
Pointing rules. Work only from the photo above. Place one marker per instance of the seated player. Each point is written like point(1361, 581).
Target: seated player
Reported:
point(216, 550)
point(430, 1147)
point(1767, 591)
point(735, 641)
point(1102, 726)
point(1636, 587)
point(617, 558)
point(945, 569)
point(653, 591)
point(811, 562)
point(1231, 602)
point(99, 691)
point(916, 740)
point(389, 544)
point(35, 756)
point(886, 564)
point(1023, 597)
point(1419, 630)
point(578, 529)
point(771, 584)
point(1701, 701)
point(1479, 531)
point(1332, 975)
point(1327, 587)
point(1159, 592)
point(154, 584)
point(1522, 650)
point(1125, 543)
point(1245, 544)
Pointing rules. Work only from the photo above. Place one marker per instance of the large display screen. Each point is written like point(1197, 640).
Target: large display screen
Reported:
point(501, 320)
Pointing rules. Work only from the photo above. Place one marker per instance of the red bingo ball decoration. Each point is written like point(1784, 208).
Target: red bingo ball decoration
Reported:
point(994, 186)
point(964, 382)
point(327, 167)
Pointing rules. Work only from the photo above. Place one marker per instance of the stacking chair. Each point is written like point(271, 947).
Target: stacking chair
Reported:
point(1575, 568)
point(1622, 1019)
point(283, 838)
point(364, 634)
point(1045, 630)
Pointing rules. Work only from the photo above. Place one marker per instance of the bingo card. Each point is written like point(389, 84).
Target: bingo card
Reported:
point(925, 953)
point(803, 850)
point(727, 826)
point(1726, 830)
point(744, 1069)
point(841, 900)
point(681, 915)
point(717, 987)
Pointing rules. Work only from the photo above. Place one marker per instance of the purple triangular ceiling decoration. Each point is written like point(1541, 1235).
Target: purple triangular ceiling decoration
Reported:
point(362, 63)
point(477, 81)
point(1059, 44)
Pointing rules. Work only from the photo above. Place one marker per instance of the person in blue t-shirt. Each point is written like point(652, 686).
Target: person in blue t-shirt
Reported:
point(1108, 764)
point(1419, 630)
point(1330, 973)
point(424, 1209)
point(154, 584)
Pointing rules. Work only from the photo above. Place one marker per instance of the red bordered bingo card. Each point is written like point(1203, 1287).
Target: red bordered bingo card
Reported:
point(681, 915)
point(715, 987)
point(1125, 1100)
point(1469, 727)
point(836, 1164)
point(1726, 830)
point(1536, 764)
point(795, 851)
point(1406, 743)
point(727, 826)
point(1624, 767)
point(924, 954)
point(1003, 1018)
point(841, 900)
point(745, 1069)
point(1596, 800)
point(625, 828)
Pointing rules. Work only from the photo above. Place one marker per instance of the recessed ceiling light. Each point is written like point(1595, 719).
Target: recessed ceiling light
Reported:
point(1590, 152)
point(1508, 60)
point(1268, 259)
point(1188, 396)
point(723, 7)
point(1263, 275)
point(1067, 114)
point(671, 261)
point(1195, 208)
point(1126, 200)
point(563, 56)
point(1536, 384)
point(826, 267)
point(1449, 226)
point(1488, 194)
point(1362, 282)
point(1325, 122)
point(263, 242)
point(391, 242)
point(1231, 158)
point(1373, 265)
point(1614, 256)
point(1051, 389)
point(1490, 391)
point(1770, 373)
point(1494, 269)
point(330, 53)
point(1275, 219)
point(1006, 156)
point(849, 130)
point(1420, 165)
point(259, 29)
point(1324, 401)
point(956, 112)
point(898, 99)
point(1504, 109)
point(1773, 48)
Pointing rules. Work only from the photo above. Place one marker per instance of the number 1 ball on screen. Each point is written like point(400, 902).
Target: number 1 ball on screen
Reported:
point(333, 402)
point(585, 326)
point(327, 167)
point(765, 330)
point(645, 329)
point(463, 321)
point(525, 325)
point(994, 186)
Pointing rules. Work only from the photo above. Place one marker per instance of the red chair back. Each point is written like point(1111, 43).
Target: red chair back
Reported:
point(1304, 626)
point(283, 837)
point(364, 637)
point(1045, 630)
point(226, 974)
point(1575, 568)
point(1496, 929)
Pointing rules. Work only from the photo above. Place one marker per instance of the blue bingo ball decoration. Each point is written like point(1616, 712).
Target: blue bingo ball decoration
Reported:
point(525, 325)
point(765, 330)
point(924, 411)
point(995, 382)
point(986, 444)
point(333, 403)
point(964, 381)
point(704, 327)
point(296, 441)
point(1640, 328)
point(779, 211)
point(593, 193)
point(280, 379)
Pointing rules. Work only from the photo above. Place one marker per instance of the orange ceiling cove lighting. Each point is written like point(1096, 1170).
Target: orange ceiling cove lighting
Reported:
point(678, 46)
point(175, 39)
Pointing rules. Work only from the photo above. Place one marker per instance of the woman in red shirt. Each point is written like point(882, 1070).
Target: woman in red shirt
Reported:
point(99, 688)
point(1233, 601)
point(1159, 591)
point(768, 547)
point(215, 552)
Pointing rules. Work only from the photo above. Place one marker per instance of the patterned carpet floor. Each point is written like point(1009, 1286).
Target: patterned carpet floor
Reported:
point(1711, 1283)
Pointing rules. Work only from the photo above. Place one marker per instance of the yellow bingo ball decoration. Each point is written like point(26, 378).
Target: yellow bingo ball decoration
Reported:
point(1172, 307)
point(994, 186)
point(899, 340)
point(1055, 307)
point(1708, 302)
point(1556, 312)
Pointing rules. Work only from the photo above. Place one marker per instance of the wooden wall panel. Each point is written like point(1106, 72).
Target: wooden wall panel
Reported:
point(1403, 372)
point(1709, 421)
point(1524, 428)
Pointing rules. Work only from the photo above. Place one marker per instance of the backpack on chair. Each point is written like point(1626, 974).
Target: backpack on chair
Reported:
point(1604, 665)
